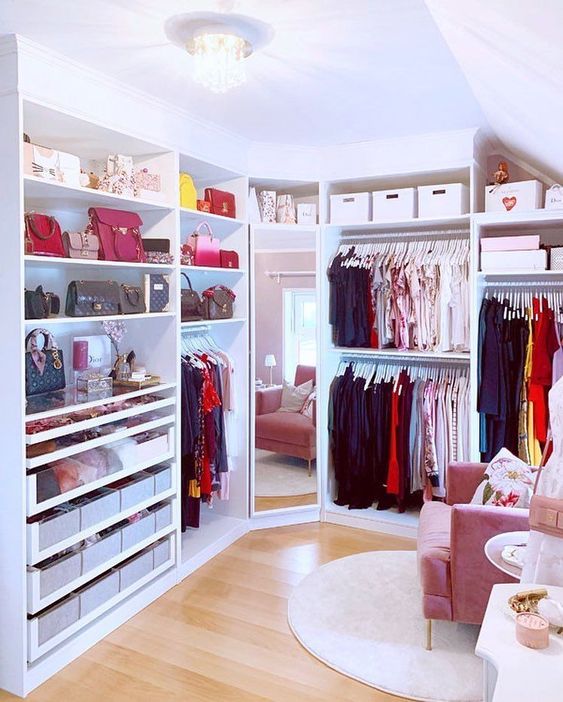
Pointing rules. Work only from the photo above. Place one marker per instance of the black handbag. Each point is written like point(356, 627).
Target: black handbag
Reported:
point(131, 300)
point(218, 302)
point(44, 367)
point(191, 305)
point(92, 298)
point(39, 304)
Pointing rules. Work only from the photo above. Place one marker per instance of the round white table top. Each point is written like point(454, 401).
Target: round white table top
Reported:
point(495, 546)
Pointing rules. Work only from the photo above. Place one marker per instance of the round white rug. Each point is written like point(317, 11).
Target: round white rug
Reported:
point(277, 475)
point(362, 616)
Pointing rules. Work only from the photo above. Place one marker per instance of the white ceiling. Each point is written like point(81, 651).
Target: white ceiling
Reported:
point(335, 71)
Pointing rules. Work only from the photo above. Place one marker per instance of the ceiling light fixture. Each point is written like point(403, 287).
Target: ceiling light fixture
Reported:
point(219, 43)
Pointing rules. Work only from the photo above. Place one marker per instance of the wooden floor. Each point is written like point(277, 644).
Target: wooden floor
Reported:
point(261, 504)
point(222, 634)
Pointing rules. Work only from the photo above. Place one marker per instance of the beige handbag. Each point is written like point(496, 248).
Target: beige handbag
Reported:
point(81, 245)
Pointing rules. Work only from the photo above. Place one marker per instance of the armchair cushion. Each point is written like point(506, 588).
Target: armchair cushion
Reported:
point(287, 427)
point(268, 399)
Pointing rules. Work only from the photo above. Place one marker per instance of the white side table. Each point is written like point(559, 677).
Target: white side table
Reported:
point(512, 672)
point(495, 545)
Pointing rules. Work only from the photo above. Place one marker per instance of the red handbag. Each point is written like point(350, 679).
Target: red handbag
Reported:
point(229, 259)
point(206, 247)
point(119, 235)
point(43, 235)
point(222, 203)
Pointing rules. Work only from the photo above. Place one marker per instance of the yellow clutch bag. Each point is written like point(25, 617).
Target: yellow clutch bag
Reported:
point(188, 192)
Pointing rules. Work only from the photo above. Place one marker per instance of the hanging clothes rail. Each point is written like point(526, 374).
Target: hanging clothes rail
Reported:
point(401, 358)
point(412, 235)
point(278, 275)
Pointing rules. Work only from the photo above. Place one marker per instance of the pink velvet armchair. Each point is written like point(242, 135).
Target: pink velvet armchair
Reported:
point(290, 433)
point(455, 575)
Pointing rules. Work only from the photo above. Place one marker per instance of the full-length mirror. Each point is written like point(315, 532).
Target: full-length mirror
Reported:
point(285, 360)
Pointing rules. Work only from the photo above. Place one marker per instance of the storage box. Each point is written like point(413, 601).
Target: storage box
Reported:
point(351, 208)
point(162, 478)
point(151, 446)
point(389, 205)
point(511, 243)
point(161, 552)
point(138, 531)
point(98, 506)
point(306, 213)
point(56, 619)
point(137, 489)
point(556, 259)
point(162, 514)
point(51, 164)
point(513, 197)
point(98, 592)
point(514, 260)
point(52, 577)
point(55, 526)
point(447, 200)
point(135, 568)
point(102, 551)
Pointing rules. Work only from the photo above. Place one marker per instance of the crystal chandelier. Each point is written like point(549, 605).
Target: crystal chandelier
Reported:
point(219, 60)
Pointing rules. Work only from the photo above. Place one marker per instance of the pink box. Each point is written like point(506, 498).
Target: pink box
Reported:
point(530, 242)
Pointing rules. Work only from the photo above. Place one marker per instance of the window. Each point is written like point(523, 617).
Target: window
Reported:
point(300, 328)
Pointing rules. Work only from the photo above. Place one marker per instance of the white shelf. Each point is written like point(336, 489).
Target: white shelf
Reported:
point(98, 318)
point(91, 616)
point(213, 322)
point(388, 521)
point(39, 556)
point(37, 461)
point(36, 604)
point(400, 353)
point(41, 194)
point(521, 275)
point(212, 269)
point(458, 221)
point(55, 261)
point(195, 217)
point(34, 507)
point(528, 218)
point(76, 406)
point(135, 411)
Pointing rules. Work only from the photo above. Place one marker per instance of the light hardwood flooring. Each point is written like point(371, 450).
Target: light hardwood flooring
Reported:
point(222, 634)
point(261, 504)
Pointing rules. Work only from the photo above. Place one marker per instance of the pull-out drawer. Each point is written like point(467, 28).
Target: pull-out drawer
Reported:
point(137, 531)
point(51, 528)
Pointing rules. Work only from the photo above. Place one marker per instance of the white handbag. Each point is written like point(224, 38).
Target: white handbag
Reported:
point(118, 177)
point(285, 211)
point(267, 203)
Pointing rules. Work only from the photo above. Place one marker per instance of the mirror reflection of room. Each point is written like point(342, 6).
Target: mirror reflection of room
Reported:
point(285, 377)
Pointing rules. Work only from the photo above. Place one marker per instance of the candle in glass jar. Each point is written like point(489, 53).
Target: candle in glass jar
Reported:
point(80, 355)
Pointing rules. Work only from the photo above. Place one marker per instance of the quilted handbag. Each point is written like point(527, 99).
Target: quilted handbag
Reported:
point(92, 298)
point(43, 235)
point(157, 292)
point(39, 304)
point(44, 366)
point(222, 203)
point(218, 302)
point(118, 233)
point(206, 247)
point(229, 259)
point(81, 245)
point(131, 300)
point(190, 303)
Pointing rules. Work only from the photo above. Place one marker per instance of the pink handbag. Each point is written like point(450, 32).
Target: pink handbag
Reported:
point(206, 248)
point(118, 233)
point(546, 513)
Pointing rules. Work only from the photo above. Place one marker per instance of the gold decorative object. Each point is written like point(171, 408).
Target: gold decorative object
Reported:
point(527, 601)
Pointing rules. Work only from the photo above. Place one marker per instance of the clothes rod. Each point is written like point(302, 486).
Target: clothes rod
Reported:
point(524, 284)
point(195, 329)
point(401, 358)
point(278, 275)
point(414, 235)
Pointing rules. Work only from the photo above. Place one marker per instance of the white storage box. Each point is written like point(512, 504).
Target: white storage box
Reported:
point(163, 515)
point(56, 526)
point(51, 164)
point(389, 205)
point(528, 242)
point(162, 478)
point(138, 531)
point(514, 260)
point(152, 447)
point(447, 200)
point(135, 568)
point(351, 208)
point(513, 197)
point(161, 552)
point(136, 489)
point(102, 551)
point(98, 592)
point(50, 623)
point(98, 506)
point(42, 581)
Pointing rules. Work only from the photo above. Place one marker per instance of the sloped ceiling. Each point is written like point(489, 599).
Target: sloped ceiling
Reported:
point(335, 71)
point(512, 56)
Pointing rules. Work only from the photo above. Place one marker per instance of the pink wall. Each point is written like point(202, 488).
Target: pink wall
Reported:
point(269, 304)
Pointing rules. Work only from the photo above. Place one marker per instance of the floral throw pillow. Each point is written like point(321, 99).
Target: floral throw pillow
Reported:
point(507, 482)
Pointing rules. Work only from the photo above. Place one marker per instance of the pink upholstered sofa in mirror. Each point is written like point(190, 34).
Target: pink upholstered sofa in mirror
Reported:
point(455, 575)
point(288, 433)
